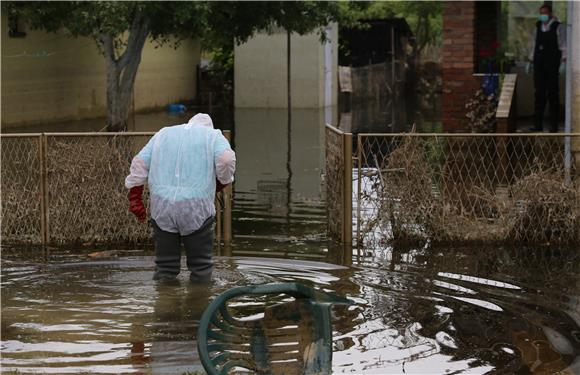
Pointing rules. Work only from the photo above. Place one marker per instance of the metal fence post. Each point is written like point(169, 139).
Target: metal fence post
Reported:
point(347, 203)
point(227, 221)
point(45, 223)
point(41, 190)
point(227, 197)
point(358, 188)
point(218, 220)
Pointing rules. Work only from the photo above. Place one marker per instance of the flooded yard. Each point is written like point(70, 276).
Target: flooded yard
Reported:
point(417, 310)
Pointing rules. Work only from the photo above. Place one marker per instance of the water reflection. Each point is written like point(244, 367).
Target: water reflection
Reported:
point(172, 330)
point(419, 310)
point(278, 194)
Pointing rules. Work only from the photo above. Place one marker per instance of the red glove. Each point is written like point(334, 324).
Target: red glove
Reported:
point(219, 186)
point(136, 205)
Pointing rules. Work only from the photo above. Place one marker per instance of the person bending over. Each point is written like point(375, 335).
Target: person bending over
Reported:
point(184, 166)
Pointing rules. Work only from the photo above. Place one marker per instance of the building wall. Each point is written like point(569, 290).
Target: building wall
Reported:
point(50, 78)
point(260, 71)
point(458, 62)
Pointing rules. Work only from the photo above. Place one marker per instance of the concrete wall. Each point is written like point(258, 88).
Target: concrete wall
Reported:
point(50, 78)
point(260, 71)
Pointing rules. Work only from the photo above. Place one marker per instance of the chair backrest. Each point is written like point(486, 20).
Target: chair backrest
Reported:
point(292, 337)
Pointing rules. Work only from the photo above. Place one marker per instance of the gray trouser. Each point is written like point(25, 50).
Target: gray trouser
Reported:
point(198, 249)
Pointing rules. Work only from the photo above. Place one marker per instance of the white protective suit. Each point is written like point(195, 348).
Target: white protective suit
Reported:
point(181, 164)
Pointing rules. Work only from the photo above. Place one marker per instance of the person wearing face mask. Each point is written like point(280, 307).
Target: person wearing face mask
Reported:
point(548, 55)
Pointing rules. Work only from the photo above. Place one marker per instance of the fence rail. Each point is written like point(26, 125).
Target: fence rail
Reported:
point(68, 188)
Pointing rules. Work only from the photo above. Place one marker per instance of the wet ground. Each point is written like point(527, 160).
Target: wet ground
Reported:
point(468, 310)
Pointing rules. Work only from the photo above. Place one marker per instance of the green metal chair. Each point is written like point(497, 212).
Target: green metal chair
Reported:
point(293, 337)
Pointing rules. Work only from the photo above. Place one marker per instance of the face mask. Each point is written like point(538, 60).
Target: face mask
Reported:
point(544, 18)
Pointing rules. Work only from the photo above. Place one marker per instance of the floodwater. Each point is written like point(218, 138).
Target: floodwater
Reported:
point(449, 310)
point(415, 311)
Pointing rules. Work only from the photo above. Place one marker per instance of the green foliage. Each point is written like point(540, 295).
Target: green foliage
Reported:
point(219, 24)
point(238, 21)
point(424, 17)
point(230, 23)
point(167, 20)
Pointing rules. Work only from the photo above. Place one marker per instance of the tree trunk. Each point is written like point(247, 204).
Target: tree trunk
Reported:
point(121, 72)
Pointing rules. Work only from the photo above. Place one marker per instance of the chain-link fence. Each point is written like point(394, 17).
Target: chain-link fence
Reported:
point(68, 188)
point(467, 188)
point(21, 188)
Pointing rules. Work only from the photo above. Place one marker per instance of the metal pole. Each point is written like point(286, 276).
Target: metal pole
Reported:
point(227, 197)
point(393, 85)
point(358, 188)
point(347, 219)
point(45, 186)
point(227, 215)
point(568, 101)
point(289, 134)
point(218, 214)
point(42, 176)
point(288, 74)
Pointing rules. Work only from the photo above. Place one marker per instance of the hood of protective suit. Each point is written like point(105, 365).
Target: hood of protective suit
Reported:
point(201, 119)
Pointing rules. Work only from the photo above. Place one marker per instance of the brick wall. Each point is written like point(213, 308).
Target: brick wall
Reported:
point(467, 25)
point(459, 53)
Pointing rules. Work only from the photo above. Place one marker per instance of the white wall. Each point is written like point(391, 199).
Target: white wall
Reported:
point(261, 65)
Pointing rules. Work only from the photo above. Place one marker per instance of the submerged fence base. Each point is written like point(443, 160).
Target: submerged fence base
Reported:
point(470, 188)
point(68, 189)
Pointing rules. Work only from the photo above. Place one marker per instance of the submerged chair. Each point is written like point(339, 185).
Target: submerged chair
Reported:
point(292, 337)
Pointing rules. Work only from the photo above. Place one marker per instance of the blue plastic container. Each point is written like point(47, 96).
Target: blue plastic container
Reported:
point(176, 108)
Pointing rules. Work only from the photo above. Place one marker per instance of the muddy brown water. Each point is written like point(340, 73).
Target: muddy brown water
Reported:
point(416, 311)
point(447, 310)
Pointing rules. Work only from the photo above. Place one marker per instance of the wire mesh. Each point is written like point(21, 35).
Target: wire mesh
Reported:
point(83, 193)
point(334, 180)
point(21, 189)
point(452, 188)
point(87, 195)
